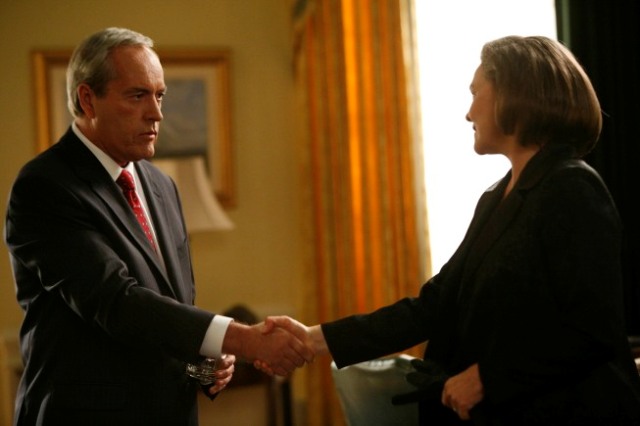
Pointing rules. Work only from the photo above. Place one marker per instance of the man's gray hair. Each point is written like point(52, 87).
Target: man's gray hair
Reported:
point(90, 63)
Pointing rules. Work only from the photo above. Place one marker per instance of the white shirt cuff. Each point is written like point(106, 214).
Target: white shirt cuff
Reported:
point(213, 338)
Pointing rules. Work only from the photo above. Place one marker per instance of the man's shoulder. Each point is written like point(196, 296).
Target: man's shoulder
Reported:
point(52, 157)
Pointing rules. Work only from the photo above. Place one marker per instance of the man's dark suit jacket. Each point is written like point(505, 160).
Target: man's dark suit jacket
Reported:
point(107, 327)
point(533, 295)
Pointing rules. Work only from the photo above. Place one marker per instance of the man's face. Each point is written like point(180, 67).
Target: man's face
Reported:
point(125, 122)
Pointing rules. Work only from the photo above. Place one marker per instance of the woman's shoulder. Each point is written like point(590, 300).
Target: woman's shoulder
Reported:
point(574, 173)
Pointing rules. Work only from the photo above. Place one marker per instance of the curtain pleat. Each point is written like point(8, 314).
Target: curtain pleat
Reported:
point(361, 146)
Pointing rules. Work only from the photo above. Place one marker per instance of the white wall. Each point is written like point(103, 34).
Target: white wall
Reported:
point(450, 37)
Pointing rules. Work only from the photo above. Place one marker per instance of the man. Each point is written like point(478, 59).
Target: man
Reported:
point(107, 286)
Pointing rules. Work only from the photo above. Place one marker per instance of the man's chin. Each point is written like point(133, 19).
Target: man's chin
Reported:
point(147, 152)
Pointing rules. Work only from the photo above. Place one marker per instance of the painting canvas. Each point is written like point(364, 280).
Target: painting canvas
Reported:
point(196, 109)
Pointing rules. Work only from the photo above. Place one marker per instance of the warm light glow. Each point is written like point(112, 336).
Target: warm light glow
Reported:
point(450, 36)
point(201, 209)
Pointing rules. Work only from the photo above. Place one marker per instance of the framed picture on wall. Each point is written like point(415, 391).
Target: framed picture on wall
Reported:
point(196, 109)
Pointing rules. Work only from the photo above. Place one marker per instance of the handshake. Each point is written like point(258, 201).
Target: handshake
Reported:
point(278, 345)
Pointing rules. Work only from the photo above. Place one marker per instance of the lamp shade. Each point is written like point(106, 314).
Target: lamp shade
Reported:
point(201, 209)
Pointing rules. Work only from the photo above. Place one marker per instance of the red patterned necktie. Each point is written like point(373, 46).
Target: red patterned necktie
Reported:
point(125, 181)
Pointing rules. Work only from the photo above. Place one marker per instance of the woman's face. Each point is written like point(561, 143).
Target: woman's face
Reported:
point(488, 138)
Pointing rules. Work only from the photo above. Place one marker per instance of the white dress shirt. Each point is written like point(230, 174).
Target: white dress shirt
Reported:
point(212, 343)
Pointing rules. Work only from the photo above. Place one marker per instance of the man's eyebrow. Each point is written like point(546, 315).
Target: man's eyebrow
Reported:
point(144, 90)
point(137, 90)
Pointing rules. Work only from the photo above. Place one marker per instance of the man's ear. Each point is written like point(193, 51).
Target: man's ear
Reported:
point(86, 97)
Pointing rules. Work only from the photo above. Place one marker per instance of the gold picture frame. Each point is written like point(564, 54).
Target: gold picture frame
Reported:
point(196, 109)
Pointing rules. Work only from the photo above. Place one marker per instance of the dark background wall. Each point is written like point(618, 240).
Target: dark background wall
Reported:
point(604, 35)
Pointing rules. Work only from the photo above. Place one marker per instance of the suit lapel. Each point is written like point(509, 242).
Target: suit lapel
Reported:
point(159, 212)
point(89, 169)
point(478, 239)
point(495, 215)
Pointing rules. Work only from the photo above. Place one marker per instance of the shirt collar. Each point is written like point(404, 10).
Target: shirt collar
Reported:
point(107, 162)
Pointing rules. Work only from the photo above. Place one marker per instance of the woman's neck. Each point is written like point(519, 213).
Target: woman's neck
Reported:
point(519, 158)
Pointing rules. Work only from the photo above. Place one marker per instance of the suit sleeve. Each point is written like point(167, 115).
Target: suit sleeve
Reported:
point(388, 330)
point(65, 250)
point(578, 326)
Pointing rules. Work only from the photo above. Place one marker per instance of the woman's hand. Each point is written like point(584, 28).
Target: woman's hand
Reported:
point(462, 392)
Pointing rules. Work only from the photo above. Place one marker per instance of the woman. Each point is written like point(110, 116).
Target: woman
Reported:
point(525, 319)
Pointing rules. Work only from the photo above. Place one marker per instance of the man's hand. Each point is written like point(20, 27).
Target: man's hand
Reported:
point(225, 366)
point(311, 337)
point(462, 392)
point(279, 348)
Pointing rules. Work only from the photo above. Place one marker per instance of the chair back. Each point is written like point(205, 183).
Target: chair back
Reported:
point(365, 391)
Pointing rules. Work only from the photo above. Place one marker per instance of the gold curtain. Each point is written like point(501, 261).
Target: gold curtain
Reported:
point(360, 140)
